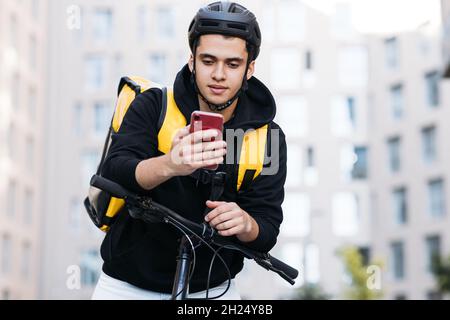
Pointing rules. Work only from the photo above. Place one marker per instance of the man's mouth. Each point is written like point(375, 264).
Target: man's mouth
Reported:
point(217, 90)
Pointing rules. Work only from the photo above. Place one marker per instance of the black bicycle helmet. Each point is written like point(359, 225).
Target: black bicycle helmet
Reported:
point(226, 18)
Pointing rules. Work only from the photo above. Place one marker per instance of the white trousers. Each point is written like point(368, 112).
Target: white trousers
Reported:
point(109, 288)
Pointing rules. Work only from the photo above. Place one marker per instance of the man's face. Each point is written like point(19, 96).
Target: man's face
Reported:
point(220, 66)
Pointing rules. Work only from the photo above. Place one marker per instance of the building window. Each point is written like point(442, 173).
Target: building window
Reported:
point(29, 154)
point(392, 54)
point(294, 160)
point(345, 210)
point(436, 198)
point(12, 199)
point(351, 110)
point(347, 161)
point(293, 115)
point(118, 66)
point(28, 207)
point(399, 197)
point(308, 60)
point(432, 88)
point(312, 263)
point(297, 211)
point(89, 163)
point(103, 115)
point(285, 68)
point(13, 34)
point(75, 212)
point(158, 68)
point(16, 91)
point(165, 23)
point(6, 254)
point(310, 159)
point(394, 154)
point(26, 260)
point(360, 166)
point(397, 102)
point(33, 52)
point(32, 103)
point(142, 22)
point(102, 25)
point(398, 260)
point(95, 72)
point(433, 251)
point(365, 255)
point(90, 267)
point(12, 141)
point(353, 66)
point(77, 24)
point(429, 144)
point(77, 116)
point(310, 174)
point(343, 115)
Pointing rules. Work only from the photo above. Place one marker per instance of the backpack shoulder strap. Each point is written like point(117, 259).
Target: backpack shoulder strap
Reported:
point(251, 160)
point(171, 120)
point(129, 89)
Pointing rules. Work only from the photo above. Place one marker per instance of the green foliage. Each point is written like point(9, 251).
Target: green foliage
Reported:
point(360, 277)
point(310, 292)
point(441, 271)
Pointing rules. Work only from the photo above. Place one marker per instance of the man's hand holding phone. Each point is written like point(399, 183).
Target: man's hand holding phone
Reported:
point(198, 145)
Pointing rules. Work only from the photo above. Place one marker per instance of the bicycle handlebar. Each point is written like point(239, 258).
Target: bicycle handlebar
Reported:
point(148, 210)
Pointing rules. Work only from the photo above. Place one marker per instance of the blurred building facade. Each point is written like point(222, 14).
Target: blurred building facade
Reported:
point(93, 44)
point(23, 44)
point(409, 159)
point(317, 68)
point(323, 114)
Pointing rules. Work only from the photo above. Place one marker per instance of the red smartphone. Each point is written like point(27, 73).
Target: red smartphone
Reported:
point(201, 120)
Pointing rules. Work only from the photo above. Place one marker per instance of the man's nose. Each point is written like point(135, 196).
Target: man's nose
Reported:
point(219, 72)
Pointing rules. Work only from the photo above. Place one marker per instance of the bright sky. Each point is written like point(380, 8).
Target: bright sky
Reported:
point(381, 16)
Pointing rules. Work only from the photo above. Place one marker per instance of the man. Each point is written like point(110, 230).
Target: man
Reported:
point(140, 258)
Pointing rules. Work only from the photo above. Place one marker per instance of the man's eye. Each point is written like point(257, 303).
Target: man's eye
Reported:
point(233, 65)
point(207, 62)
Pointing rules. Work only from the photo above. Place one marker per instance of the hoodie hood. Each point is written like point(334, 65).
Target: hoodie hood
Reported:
point(255, 108)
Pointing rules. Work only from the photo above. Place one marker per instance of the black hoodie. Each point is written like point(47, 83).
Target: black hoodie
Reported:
point(145, 254)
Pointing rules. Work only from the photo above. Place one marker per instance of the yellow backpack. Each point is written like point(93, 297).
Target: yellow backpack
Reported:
point(102, 208)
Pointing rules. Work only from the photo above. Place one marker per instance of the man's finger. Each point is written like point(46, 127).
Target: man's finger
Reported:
point(202, 135)
point(230, 232)
point(225, 220)
point(215, 212)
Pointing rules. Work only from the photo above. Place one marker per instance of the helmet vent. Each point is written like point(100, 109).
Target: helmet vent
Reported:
point(236, 8)
point(237, 26)
point(209, 23)
point(215, 7)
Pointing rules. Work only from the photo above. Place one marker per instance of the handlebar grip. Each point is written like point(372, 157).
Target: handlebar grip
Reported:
point(280, 265)
point(109, 186)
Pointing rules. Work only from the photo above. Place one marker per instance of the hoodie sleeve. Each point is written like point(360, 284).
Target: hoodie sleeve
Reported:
point(135, 141)
point(264, 198)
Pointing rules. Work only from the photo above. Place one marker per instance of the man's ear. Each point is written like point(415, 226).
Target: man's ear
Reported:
point(251, 69)
point(191, 62)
